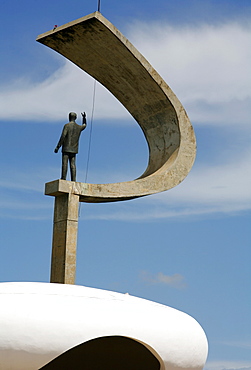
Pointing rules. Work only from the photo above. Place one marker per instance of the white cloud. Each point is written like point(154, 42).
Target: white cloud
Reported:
point(68, 89)
point(175, 280)
point(223, 188)
point(207, 66)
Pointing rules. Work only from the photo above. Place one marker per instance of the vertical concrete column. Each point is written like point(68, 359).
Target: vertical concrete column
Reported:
point(64, 243)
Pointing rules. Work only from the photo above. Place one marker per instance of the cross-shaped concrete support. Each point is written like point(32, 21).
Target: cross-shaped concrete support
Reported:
point(67, 195)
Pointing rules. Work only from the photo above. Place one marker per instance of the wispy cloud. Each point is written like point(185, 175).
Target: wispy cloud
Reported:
point(175, 280)
point(22, 195)
point(228, 365)
point(238, 344)
point(67, 89)
point(207, 66)
point(208, 189)
point(223, 189)
point(21, 180)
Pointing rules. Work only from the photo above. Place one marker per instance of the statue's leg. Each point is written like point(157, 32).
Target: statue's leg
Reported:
point(64, 166)
point(73, 167)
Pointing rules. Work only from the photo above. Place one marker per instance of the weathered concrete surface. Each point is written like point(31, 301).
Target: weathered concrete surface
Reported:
point(65, 229)
point(97, 47)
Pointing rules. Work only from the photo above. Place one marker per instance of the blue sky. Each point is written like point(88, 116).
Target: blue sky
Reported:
point(189, 247)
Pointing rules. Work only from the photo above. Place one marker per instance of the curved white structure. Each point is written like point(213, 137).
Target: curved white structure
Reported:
point(40, 321)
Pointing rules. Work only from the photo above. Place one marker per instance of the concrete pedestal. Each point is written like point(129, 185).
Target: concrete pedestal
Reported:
point(65, 229)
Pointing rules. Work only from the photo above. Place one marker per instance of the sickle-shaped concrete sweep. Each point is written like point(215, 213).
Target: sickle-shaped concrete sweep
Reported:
point(97, 47)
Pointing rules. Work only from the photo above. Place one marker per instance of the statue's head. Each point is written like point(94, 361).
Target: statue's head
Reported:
point(72, 116)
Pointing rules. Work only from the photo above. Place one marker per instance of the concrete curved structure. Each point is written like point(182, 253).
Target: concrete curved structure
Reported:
point(40, 321)
point(97, 47)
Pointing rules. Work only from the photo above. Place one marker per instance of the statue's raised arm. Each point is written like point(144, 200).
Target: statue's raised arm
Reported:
point(84, 123)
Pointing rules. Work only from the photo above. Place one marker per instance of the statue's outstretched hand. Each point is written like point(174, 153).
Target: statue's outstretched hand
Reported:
point(55, 150)
point(84, 119)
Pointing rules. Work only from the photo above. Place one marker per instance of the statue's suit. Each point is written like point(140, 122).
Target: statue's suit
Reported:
point(70, 137)
point(69, 141)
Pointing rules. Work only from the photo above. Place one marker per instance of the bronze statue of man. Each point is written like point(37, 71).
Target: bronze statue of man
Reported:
point(69, 141)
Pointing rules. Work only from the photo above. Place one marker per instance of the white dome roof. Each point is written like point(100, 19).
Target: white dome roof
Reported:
point(40, 321)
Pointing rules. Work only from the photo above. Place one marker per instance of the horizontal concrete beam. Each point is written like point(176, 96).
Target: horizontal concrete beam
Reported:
point(84, 191)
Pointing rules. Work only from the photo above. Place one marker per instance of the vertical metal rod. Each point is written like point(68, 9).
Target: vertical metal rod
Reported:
point(90, 136)
point(98, 5)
